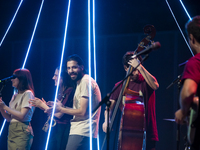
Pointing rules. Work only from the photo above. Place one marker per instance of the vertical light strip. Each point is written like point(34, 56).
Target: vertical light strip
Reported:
point(179, 27)
point(89, 66)
point(28, 47)
point(61, 62)
point(33, 34)
point(94, 41)
point(2, 126)
point(11, 25)
point(95, 65)
point(185, 10)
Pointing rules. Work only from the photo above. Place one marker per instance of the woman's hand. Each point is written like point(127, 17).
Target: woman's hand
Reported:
point(36, 102)
point(58, 106)
point(39, 103)
point(2, 104)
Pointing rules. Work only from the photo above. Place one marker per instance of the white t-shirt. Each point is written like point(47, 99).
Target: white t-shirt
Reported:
point(20, 101)
point(80, 125)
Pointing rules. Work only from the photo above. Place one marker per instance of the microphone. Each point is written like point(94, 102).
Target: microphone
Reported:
point(8, 79)
point(153, 46)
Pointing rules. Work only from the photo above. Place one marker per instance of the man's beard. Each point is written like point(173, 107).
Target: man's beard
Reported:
point(78, 76)
point(134, 77)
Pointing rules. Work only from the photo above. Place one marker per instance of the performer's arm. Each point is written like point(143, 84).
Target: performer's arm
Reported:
point(19, 115)
point(38, 103)
point(82, 111)
point(187, 94)
point(151, 80)
point(104, 126)
point(43, 106)
point(5, 115)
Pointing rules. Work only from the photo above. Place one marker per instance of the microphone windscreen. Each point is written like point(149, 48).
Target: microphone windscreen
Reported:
point(156, 45)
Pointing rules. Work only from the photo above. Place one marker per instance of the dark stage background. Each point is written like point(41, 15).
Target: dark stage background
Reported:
point(119, 28)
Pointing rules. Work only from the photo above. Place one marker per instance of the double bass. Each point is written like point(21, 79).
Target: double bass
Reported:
point(132, 129)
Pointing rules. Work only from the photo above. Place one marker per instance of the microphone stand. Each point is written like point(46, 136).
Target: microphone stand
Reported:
point(178, 81)
point(108, 103)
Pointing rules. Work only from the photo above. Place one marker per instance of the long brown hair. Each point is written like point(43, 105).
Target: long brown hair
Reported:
point(67, 82)
point(25, 80)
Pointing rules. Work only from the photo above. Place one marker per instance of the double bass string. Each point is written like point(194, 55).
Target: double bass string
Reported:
point(10, 27)
point(61, 62)
point(27, 53)
point(179, 27)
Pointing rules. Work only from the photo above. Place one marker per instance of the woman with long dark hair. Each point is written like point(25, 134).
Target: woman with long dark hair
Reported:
point(61, 126)
point(19, 112)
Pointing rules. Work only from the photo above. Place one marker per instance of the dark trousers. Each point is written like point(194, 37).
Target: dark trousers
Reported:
point(59, 137)
point(78, 142)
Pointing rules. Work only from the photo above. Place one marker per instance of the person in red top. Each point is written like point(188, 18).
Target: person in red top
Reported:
point(60, 132)
point(190, 91)
point(141, 80)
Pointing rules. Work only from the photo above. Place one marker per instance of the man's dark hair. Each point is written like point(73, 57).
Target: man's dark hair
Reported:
point(78, 59)
point(126, 58)
point(193, 27)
